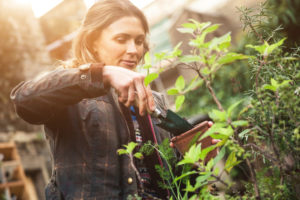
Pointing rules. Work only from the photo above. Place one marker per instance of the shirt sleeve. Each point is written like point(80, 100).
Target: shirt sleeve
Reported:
point(38, 100)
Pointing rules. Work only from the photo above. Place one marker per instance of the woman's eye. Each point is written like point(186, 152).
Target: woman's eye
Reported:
point(139, 42)
point(121, 40)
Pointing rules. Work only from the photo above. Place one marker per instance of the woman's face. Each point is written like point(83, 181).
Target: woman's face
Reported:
point(121, 43)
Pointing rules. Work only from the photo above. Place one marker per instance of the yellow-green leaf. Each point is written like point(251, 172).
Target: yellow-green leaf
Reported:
point(173, 91)
point(150, 77)
point(179, 101)
point(180, 83)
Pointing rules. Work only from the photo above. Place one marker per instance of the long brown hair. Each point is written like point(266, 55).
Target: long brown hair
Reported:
point(98, 17)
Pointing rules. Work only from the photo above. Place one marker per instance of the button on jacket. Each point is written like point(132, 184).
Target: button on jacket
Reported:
point(85, 125)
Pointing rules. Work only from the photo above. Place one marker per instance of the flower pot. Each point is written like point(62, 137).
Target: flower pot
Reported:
point(184, 141)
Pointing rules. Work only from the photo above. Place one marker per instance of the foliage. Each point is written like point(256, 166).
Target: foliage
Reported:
point(206, 60)
point(259, 133)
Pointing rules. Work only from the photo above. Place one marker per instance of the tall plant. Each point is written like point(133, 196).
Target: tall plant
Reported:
point(264, 134)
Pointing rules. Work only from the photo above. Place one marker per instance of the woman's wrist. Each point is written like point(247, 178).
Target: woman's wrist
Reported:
point(106, 75)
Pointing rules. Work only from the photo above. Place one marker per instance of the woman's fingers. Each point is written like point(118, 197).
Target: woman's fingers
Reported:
point(131, 96)
point(150, 99)
point(129, 86)
point(123, 95)
point(142, 96)
point(215, 141)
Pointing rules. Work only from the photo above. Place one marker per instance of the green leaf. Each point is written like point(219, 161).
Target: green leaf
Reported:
point(176, 51)
point(274, 82)
point(219, 156)
point(209, 165)
point(189, 59)
point(240, 123)
point(216, 171)
point(205, 151)
point(189, 25)
point(212, 59)
point(230, 161)
point(231, 57)
point(271, 48)
point(211, 28)
point(138, 155)
point(218, 41)
point(284, 82)
point(202, 179)
point(160, 56)
point(150, 77)
point(180, 83)
point(220, 132)
point(189, 187)
point(147, 58)
point(147, 66)
point(260, 48)
point(122, 151)
point(130, 147)
point(233, 106)
point(184, 175)
point(177, 45)
point(193, 84)
point(209, 132)
point(217, 115)
point(269, 87)
point(204, 25)
point(243, 133)
point(200, 26)
point(179, 101)
point(205, 71)
point(186, 30)
point(275, 85)
point(173, 91)
point(192, 155)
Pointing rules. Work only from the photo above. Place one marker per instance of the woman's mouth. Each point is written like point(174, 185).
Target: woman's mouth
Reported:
point(128, 63)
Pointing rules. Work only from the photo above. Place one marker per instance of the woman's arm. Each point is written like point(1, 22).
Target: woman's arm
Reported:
point(38, 100)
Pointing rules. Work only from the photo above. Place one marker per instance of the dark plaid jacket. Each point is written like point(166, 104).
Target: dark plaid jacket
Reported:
point(85, 125)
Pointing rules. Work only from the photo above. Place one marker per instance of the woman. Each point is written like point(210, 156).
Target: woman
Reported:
point(84, 108)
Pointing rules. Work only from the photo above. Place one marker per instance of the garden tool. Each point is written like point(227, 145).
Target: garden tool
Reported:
point(172, 122)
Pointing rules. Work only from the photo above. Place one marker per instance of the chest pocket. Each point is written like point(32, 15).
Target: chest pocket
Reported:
point(94, 111)
point(88, 106)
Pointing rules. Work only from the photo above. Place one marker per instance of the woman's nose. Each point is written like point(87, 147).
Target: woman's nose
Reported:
point(131, 47)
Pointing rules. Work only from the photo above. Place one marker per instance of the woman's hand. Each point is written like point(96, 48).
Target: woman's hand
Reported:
point(130, 87)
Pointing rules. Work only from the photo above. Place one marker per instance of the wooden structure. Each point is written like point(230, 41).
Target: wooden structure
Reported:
point(12, 176)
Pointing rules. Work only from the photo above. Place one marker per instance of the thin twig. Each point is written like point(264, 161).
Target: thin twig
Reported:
point(213, 94)
point(261, 151)
point(220, 180)
point(251, 168)
point(136, 171)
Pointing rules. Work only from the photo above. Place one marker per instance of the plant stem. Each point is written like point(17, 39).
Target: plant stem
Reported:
point(261, 151)
point(136, 171)
point(251, 168)
point(219, 179)
point(256, 33)
point(212, 92)
point(253, 176)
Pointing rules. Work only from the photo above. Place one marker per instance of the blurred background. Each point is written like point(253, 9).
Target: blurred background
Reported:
point(35, 35)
